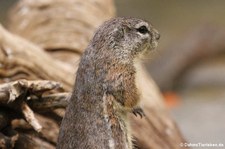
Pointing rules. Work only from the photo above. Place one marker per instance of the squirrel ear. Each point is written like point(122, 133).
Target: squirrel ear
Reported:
point(125, 28)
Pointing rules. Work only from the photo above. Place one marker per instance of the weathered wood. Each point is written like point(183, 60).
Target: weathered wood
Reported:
point(26, 141)
point(4, 119)
point(50, 129)
point(20, 59)
point(8, 141)
point(60, 27)
point(49, 102)
point(49, 132)
point(9, 92)
point(17, 96)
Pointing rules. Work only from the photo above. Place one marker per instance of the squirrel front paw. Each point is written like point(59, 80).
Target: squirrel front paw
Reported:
point(138, 111)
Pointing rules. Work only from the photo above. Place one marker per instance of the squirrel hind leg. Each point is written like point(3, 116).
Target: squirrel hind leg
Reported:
point(138, 111)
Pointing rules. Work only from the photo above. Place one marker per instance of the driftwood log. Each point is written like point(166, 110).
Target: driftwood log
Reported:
point(47, 39)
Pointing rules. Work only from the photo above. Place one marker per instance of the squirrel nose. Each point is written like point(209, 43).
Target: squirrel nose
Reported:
point(157, 36)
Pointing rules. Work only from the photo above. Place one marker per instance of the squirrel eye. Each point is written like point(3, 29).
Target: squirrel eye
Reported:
point(143, 30)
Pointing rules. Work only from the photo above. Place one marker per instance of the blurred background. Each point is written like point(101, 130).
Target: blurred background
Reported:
point(188, 65)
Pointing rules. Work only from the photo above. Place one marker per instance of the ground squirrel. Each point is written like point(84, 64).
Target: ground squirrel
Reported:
point(105, 89)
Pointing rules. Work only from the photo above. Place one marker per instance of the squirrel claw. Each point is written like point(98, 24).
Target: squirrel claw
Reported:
point(138, 111)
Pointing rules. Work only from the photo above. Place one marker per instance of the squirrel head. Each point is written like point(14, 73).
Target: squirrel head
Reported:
point(125, 38)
